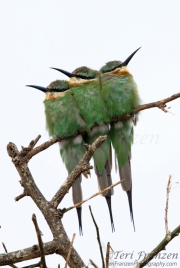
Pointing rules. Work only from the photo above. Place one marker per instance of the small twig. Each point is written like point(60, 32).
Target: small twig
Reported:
point(17, 198)
point(168, 189)
point(42, 147)
point(34, 142)
point(59, 265)
point(5, 249)
point(94, 195)
point(39, 234)
point(107, 254)
point(160, 247)
point(111, 248)
point(158, 104)
point(25, 150)
point(93, 264)
point(98, 237)
point(69, 252)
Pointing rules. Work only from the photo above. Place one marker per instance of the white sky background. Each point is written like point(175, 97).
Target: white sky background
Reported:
point(36, 35)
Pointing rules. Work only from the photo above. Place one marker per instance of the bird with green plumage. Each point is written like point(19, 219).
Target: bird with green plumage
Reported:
point(119, 91)
point(63, 119)
point(86, 87)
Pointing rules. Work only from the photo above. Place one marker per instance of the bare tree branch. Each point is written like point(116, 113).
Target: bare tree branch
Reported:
point(55, 224)
point(169, 236)
point(69, 252)
point(93, 264)
point(98, 237)
point(168, 189)
point(107, 254)
point(48, 209)
point(5, 249)
point(160, 247)
point(158, 104)
point(42, 147)
point(17, 198)
point(38, 232)
point(28, 253)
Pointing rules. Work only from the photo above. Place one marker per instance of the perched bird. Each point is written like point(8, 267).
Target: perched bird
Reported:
point(120, 94)
point(85, 85)
point(63, 119)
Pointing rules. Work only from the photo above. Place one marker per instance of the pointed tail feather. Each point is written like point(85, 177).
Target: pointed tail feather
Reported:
point(122, 137)
point(72, 151)
point(108, 168)
point(108, 199)
point(104, 181)
point(129, 194)
point(125, 174)
point(77, 197)
point(79, 212)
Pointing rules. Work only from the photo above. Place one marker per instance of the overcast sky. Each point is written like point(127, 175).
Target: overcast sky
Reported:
point(36, 35)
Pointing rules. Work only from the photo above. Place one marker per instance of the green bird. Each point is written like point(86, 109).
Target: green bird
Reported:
point(120, 94)
point(63, 119)
point(85, 85)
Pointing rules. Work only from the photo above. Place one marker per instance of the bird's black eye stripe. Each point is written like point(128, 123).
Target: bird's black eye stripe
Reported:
point(82, 76)
point(58, 90)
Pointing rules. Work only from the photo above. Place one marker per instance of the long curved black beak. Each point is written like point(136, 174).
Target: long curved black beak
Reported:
point(44, 89)
point(70, 75)
point(64, 72)
point(125, 63)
